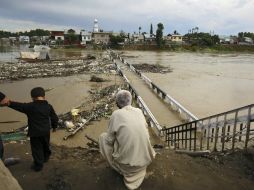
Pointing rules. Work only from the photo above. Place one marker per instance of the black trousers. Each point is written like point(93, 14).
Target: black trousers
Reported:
point(1, 148)
point(40, 149)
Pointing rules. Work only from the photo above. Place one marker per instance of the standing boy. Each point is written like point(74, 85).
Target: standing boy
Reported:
point(41, 117)
point(2, 99)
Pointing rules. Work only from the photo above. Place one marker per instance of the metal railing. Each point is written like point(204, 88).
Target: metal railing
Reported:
point(225, 131)
point(151, 119)
point(185, 114)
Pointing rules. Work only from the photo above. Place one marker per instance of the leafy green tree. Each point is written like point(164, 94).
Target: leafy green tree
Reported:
point(39, 32)
point(115, 40)
point(159, 35)
point(71, 36)
point(202, 39)
point(241, 35)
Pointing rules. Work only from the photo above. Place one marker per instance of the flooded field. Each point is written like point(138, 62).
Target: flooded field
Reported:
point(204, 83)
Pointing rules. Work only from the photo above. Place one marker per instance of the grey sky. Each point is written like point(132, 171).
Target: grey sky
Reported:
point(220, 16)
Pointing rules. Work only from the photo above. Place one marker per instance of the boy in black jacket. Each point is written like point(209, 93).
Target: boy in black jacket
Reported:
point(41, 117)
point(2, 99)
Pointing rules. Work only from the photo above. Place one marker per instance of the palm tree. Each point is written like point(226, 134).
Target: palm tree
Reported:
point(196, 29)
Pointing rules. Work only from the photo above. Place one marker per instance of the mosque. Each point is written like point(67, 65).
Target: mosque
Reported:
point(98, 35)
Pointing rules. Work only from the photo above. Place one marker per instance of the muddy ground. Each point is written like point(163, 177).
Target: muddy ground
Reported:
point(78, 168)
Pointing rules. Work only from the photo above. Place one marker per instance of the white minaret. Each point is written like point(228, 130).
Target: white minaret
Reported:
point(95, 26)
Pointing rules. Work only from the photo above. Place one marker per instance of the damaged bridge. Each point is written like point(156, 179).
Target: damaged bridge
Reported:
point(180, 128)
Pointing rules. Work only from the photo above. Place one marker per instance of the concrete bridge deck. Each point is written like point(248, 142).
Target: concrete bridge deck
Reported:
point(161, 111)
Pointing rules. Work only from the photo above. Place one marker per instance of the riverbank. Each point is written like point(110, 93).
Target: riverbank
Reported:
point(78, 169)
point(222, 48)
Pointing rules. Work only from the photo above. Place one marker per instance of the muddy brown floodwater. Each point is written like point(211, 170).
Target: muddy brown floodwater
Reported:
point(200, 83)
point(64, 94)
point(204, 83)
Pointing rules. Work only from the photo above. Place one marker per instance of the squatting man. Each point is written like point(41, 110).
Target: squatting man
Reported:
point(126, 144)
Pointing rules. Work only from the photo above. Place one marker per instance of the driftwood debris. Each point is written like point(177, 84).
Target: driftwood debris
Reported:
point(94, 144)
point(96, 79)
point(91, 139)
point(76, 130)
point(9, 122)
point(193, 153)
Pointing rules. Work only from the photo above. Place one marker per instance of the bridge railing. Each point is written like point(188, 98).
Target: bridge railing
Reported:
point(185, 114)
point(151, 119)
point(228, 130)
point(225, 131)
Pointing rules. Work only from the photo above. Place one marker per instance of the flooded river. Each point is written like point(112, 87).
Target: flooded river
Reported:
point(204, 83)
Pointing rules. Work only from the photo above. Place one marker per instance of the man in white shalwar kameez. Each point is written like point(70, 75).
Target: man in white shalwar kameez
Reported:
point(126, 144)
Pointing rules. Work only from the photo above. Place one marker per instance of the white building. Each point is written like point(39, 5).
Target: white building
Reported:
point(174, 38)
point(96, 26)
point(248, 40)
point(85, 37)
point(24, 39)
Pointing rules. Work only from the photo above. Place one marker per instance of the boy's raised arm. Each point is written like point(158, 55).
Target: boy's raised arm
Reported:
point(2, 96)
point(21, 107)
point(4, 101)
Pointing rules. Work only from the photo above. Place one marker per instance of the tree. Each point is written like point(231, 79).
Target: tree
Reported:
point(139, 29)
point(38, 32)
point(175, 32)
point(241, 35)
point(159, 35)
point(197, 29)
point(71, 31)
point(151, 30)
point(71, 37)
point(202, 39)
point(115, 40)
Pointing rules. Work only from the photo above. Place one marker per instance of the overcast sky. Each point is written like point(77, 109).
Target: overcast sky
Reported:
point(220, 16)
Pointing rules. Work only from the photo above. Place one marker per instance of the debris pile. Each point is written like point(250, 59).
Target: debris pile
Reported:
point(23, 70)
point(97, 79)
point(99, 105)
point(152, 68)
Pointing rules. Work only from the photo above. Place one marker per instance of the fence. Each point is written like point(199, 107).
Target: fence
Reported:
point(225, 131)
point(151, 119)
point(229, 130)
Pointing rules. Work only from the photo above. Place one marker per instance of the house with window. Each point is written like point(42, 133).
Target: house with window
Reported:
point(137, 38)
point(101, 37)
point(177, 38)
point(149, 38)
point(57, 35)
point(85, 37)
point(24, 39)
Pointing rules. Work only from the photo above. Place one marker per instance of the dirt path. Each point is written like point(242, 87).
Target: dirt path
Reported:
point(76, 168)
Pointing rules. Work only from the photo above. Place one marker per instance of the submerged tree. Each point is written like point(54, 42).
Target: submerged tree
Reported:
point(159, 34)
